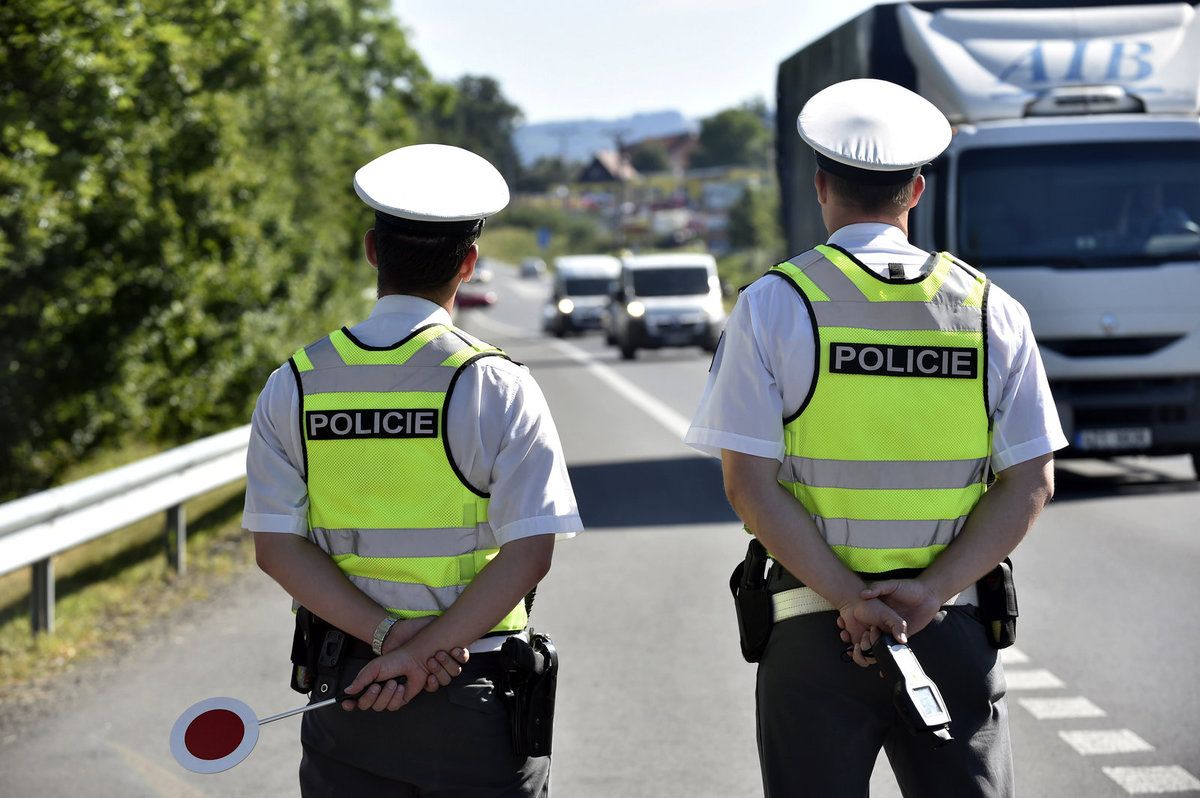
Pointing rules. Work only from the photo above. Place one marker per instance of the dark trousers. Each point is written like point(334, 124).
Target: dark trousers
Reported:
point(455, 743)
point(822, 722)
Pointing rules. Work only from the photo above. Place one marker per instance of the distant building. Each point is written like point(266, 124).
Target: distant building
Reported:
point(609, 167)
point(679, 147)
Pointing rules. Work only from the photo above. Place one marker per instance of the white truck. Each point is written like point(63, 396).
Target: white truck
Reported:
point(1072, 180)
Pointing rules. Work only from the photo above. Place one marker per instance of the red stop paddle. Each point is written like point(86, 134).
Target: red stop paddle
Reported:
point(217, 733)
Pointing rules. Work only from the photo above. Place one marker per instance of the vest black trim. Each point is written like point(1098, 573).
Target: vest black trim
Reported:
point(300, 415)
point(881, 278)
point(446, 421)
point(812, 318)
point(397, 345)
point(987, 409)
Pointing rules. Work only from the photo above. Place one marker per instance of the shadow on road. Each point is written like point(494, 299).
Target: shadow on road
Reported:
point(684, 490)
point(1074, 482)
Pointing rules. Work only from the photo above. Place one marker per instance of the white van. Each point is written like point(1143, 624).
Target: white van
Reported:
point(579, 297)
point(666, 300)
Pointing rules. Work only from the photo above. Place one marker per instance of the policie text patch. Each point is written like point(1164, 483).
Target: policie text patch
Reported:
point(904, 361)
point(329, 425)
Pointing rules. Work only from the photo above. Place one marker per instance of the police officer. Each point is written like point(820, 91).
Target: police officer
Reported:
point(862, 393)
point(406, 484)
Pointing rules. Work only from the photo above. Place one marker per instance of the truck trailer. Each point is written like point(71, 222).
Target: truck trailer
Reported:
point(1072, 180)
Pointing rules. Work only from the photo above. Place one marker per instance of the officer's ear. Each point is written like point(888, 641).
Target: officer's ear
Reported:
point(918, 190)
point(369, 248)
point(821, 182)
point(466, 269)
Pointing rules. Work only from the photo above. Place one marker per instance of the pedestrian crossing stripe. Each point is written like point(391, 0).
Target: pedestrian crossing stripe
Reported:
point(1033, 679)
point(1059, 708)
point(1155, 780)
point(1100, 742)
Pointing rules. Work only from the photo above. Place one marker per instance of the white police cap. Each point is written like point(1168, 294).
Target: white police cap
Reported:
point(431, 183)
point(873, 131)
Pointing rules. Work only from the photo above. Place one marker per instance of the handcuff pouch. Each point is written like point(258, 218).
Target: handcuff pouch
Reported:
point(529, 683)
point(752, 601)
point(998, 605)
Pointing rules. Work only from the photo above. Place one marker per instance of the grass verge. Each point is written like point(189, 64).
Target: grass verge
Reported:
point(111, 588)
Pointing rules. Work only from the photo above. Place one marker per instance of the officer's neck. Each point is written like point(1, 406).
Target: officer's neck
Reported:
point(442, 296)
point(836, 221)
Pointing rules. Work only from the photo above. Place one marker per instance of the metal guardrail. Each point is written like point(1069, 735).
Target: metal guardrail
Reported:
point(35, 528)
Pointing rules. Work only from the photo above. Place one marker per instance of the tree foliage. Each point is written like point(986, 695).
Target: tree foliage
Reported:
point(734, 137)
point(649, 157)
point(544, 174)
point(175, 206)
point(478, 117)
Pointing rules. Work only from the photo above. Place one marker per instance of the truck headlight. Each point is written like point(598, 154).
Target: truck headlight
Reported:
point(565, 306)
point(635, 309)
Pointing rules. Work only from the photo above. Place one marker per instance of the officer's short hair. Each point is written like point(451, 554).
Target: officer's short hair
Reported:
point(411, 260)
point(887, 200)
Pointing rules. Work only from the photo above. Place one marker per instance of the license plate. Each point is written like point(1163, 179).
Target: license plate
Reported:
point(1120, 438)
point(676, 339)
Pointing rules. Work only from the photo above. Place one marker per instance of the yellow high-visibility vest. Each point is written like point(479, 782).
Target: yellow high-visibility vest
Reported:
point(385, 499)
point(890, 450)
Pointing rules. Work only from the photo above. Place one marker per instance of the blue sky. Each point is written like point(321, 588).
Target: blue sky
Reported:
point(570, 60)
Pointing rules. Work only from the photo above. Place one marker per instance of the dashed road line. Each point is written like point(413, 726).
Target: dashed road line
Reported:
point(1135, 780)
point(1061, 708)
point(1105, 741)
point(1153, 780)
point(1013, 656)
point(673, 421)
point(1032, 679)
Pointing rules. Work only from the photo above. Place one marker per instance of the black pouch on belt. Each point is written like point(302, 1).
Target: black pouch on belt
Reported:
point(303, 666)
point(318, 653)
point(530, 676)
point(752, 601)
point(998, 605)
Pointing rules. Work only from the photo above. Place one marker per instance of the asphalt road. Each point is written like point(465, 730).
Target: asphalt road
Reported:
point(654, 699)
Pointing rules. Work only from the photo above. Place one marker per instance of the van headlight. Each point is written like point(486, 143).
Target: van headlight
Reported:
point(635, 309)
point(565, 306)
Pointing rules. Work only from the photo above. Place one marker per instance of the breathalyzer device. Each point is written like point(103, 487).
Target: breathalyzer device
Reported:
point(916, 696)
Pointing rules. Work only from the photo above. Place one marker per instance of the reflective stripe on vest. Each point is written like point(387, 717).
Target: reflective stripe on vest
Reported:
point(385, 499)
point(889, 452)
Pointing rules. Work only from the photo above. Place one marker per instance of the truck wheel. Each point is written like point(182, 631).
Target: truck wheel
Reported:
point(628, 352)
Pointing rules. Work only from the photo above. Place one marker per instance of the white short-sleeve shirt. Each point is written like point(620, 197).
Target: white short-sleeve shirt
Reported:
point(764, 366)
point(501, 435)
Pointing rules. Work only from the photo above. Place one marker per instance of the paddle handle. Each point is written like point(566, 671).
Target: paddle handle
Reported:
point(318, 705)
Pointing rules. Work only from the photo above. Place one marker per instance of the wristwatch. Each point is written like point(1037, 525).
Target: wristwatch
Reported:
point(381, 632)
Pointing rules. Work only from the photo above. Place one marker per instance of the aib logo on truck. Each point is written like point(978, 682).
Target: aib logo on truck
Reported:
point(1082, 61)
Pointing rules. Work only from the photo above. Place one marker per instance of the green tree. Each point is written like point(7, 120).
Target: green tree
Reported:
point(649, 157)
point(175, 210)
point(754, 221)
point(477, 116)
point(544, 174)
point(734, 137)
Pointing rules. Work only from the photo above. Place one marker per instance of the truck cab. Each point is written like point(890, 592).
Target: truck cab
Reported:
point(1072, 180)
point(1093, 224)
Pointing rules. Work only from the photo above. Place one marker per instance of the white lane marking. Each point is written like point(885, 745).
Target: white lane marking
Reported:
point(675, 423)
point(1143, 780)
point(530, 289)
point(1057, 708)
point(1114, 741)
point(1033, 679)
point(500, 327)
point(1013, 656)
